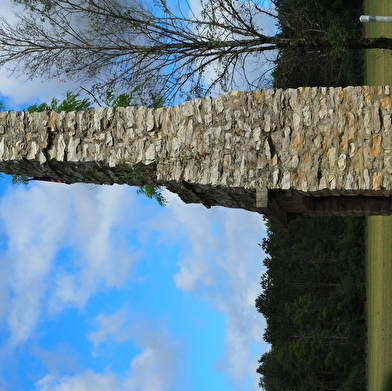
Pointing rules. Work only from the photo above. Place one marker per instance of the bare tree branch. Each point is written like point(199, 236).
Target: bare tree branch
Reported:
point(127, 43)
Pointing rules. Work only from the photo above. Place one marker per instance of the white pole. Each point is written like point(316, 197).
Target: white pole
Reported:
point(375, 19)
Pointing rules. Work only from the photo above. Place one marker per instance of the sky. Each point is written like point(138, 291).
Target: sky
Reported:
point(103, 289)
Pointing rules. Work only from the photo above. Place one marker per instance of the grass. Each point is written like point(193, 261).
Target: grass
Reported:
point(379, 230)
point(379, 276)
point(378, 62)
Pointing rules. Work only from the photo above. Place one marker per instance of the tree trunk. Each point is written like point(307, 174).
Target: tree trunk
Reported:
point(370, 43)
point(314, 43)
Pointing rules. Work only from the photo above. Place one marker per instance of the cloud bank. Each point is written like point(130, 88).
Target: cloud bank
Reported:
point(63, 245)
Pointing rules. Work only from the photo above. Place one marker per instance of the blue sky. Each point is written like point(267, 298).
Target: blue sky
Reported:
point(103, 289)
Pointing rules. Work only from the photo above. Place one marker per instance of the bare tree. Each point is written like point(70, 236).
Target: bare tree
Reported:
point(129, 43)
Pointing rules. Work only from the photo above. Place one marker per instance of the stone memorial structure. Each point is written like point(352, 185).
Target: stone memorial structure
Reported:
point(283, 153)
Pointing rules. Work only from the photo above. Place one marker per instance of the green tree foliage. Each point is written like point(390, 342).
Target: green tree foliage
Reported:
point(153, 192)
point(336, 66)
point(71, 102)
point(121, 100)
point(20, 180)
point(131, 98)
point(313, 298)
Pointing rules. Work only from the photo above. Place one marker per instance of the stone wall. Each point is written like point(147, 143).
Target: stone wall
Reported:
point(262, 150)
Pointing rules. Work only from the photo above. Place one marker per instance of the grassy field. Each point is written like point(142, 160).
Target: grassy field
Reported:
point(379, 244)
point(379, 278)
point(378, 62)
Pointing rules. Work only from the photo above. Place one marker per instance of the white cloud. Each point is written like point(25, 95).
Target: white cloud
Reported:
point(102, 259)
point(33, 228)
point(111, 327)
point(85, 381)
point(62, 358)
point(223, 264)
point(20, 89)
point(156, 368)
point(40, 221)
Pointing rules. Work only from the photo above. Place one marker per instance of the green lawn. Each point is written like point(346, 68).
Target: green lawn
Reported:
point(379, 238)
point(379, 275)
point(378, 62)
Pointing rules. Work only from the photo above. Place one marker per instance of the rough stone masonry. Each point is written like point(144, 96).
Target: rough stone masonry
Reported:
point(284, 153)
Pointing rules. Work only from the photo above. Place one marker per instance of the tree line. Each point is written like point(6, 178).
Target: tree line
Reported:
point(313, 298)
point(340, 64)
